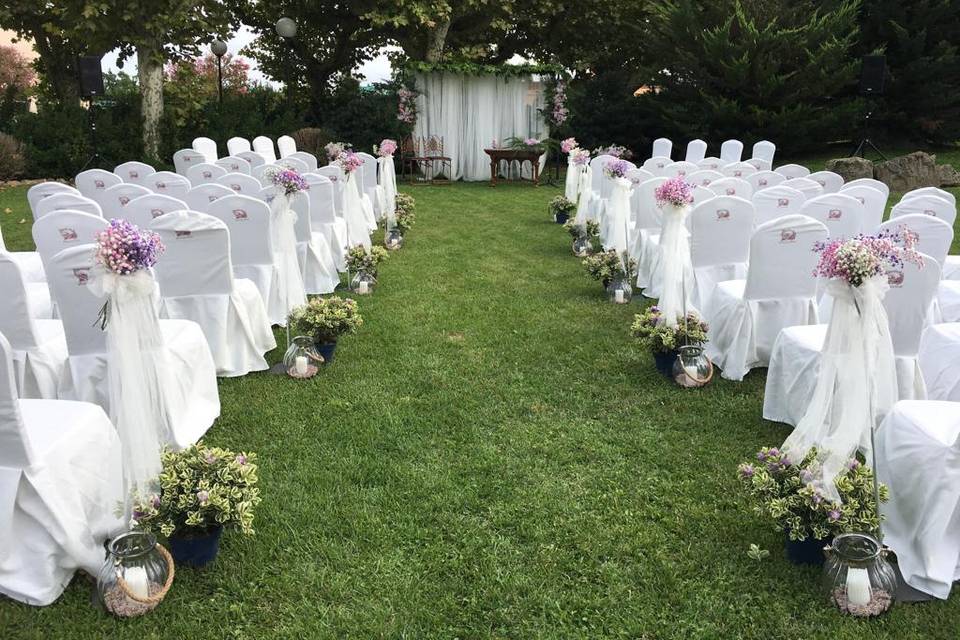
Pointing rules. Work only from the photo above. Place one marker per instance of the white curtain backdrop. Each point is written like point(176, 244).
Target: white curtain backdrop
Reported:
point(470, 112)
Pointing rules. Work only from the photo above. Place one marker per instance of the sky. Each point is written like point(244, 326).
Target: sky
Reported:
point(375, 70)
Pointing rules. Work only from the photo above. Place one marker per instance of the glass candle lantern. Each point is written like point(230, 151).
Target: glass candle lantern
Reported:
point(135, 576)
point(362, 283)
point(619, 291)
point(302, 360)
point(692, 368)
point(393, 239)
point(582, 246)
point(857, 576)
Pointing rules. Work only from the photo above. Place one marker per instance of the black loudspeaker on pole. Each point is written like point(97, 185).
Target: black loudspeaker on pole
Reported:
point(91, 86)
point(873, 72)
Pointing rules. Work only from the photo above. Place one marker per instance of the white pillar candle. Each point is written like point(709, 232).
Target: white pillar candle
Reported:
point(691, 371)
point(858, 587)
point(300, 365)
point(618, 296)
point(137, 583)
point(363, 288)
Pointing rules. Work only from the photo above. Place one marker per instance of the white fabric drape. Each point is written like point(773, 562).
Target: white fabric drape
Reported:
point(289, 290)
point(584, 194)
point(353, 213)
point(471, 112)
point(856, 386)
point(572, 184)
point(614, 228)
point(388, 186)
point(676, 282)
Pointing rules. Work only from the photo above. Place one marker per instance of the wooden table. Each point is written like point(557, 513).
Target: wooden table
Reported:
point(514, 155)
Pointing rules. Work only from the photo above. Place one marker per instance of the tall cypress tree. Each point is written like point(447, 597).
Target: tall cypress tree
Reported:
point(921, 40)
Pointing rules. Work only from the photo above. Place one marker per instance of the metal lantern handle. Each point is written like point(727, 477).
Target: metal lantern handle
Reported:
point(700, 381)
point(160, 595)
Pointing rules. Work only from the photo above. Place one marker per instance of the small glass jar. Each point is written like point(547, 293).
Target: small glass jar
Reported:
point(135, 576)
point(619, 291)
point(302, 360)
point(362, 283)
point(393, 239)
point(582, 246)
point(857, 576)
point(692, 367)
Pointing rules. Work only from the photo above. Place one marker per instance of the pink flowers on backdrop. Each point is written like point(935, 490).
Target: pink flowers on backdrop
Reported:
point(865, 256)
point(124, 249)
point(349, 162)
point(559, 112)
point(616, 168)
point(675, 191)
point(407, 109)
point(387, 147)
point(289, 180)
point(568, 145)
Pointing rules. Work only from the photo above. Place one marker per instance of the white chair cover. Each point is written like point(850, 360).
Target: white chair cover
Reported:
point(874, 204)
point(929, 205)
point(678, 169)
point(241, 183)
point(197, 283)
point(354, 214)
point(703, 177)
point(763, 179)
point(696, 151)
point(636, 176)
point(806, 186)
point(868, 182)
point(31, 266)
point(323, 216)
point(93, 182)
point(662, 148)
point(795, 360)
point(202, 196)
point(775, 202)
point(939, 354)
point(186, 158)
point(739, 170)
point(117, 197)
point(647, 221)
point(264, 146)
point(144, 210)
point(700, 195)
point(654, 165)
point(168, 183)
point(712, 163)
point(236, 145)
point(318, 267)
point(745, 316)
point(731, 151)
point(134, 172)
point(760, 164)
point(830, 181)
point(262, 173)
point(64, 229)
point(44, 190)
point(307, 159)
point(234, 164)
point(39, 348)
point(842, 214)
point(71, 202)
point(293, 163)
point(59, 482)
point(764, 150)
point(253, 158)
point(335, 175)
point(287, 146)
point(790, 171)
point(204, 173)
point(917, 458)
point(934, 236)
point(187, 376)
point(931, 191)
point(720, 233)
point(207, 148)
point(731, 187)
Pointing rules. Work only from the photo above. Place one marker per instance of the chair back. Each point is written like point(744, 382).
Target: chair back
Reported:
point(186, 158)
point(643, 204)
point(764, 150)
point(928, 205)
point(253, 158)
point(320, 192)
point(207, 148)
point(931, 191)
point(237, 145)
point(731, 151)
point(763, 179)
point(307, 158)
point(264, 146)
point(597, 177)
point(700, 194)
point(241, 183)
point(168, 183)
point(696, 151)
point(636, 176)
point(64, 229)
point(760, 164)
point(287, 146)
point(874, 204)
point(830, 181)
point(303, 228)
point(293, 162)
point(119, 196)
point(234, 164)
point(134, 172)
point(204, 173)
point(790, 171)
point(662, 148)
point(203, 195)
point(739, 170)
point(654, 165)
point(731, 187)
point(782, 258)
point(68, 274)
point(679, 169)
point(248, 220)
point(908, 302)
point(410, 147)
point(775, 202)
point(369, 171)
point(868, 182)
point(196, 258)
point(334, 174)
point(44, 190)
point(934, 236)
point(93, 182)
point(809, 188)
point(260, 172)
point(842, 214)
point(15, 449)
point(144, 210)
point(16, 321)
point(720, 231)
point(712, 163)
point(68, 201)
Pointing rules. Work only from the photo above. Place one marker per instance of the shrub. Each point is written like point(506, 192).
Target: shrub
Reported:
point(13, 164)
point(360, 259)
point(607, 266)
point(654, 334)
point(312, 140)
point(326, 319)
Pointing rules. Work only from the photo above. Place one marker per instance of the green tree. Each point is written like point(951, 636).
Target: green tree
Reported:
point(920, 39)
point(750, 69)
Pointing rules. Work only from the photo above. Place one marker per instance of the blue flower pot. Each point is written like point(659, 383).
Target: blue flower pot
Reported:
point(664, 362)
point(809, 551)
point(561, 218)
point(195, 549)
point(326, 350)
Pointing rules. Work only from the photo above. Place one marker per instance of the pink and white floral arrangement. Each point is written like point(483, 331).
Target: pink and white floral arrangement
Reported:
point(860, 258)
point(568, 145)
point(407, 107)
point(676, 192)
point(386, 148)
point(616, 168)
point(349, 162)
point(287, 179)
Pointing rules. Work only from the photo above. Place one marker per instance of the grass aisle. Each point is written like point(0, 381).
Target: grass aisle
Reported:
point(489, 457)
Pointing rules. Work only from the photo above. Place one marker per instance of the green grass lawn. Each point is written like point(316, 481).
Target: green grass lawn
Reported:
point(490, 456)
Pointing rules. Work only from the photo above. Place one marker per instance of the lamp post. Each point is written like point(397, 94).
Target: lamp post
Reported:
point(219, 49)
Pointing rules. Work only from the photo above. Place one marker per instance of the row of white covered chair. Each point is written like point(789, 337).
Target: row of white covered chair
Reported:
point(731, 151)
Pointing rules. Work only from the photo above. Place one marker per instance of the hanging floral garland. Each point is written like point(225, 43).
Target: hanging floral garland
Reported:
point(555, 112)
point(407, 107)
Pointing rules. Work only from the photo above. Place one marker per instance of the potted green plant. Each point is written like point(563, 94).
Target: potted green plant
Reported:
point(202, 490)
point(784, 492)
point(363, 263)
point(607, 266)
point(584, 236)
point(662, 340)
point(405, 212)
point(561, 209)
point(325, 320)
